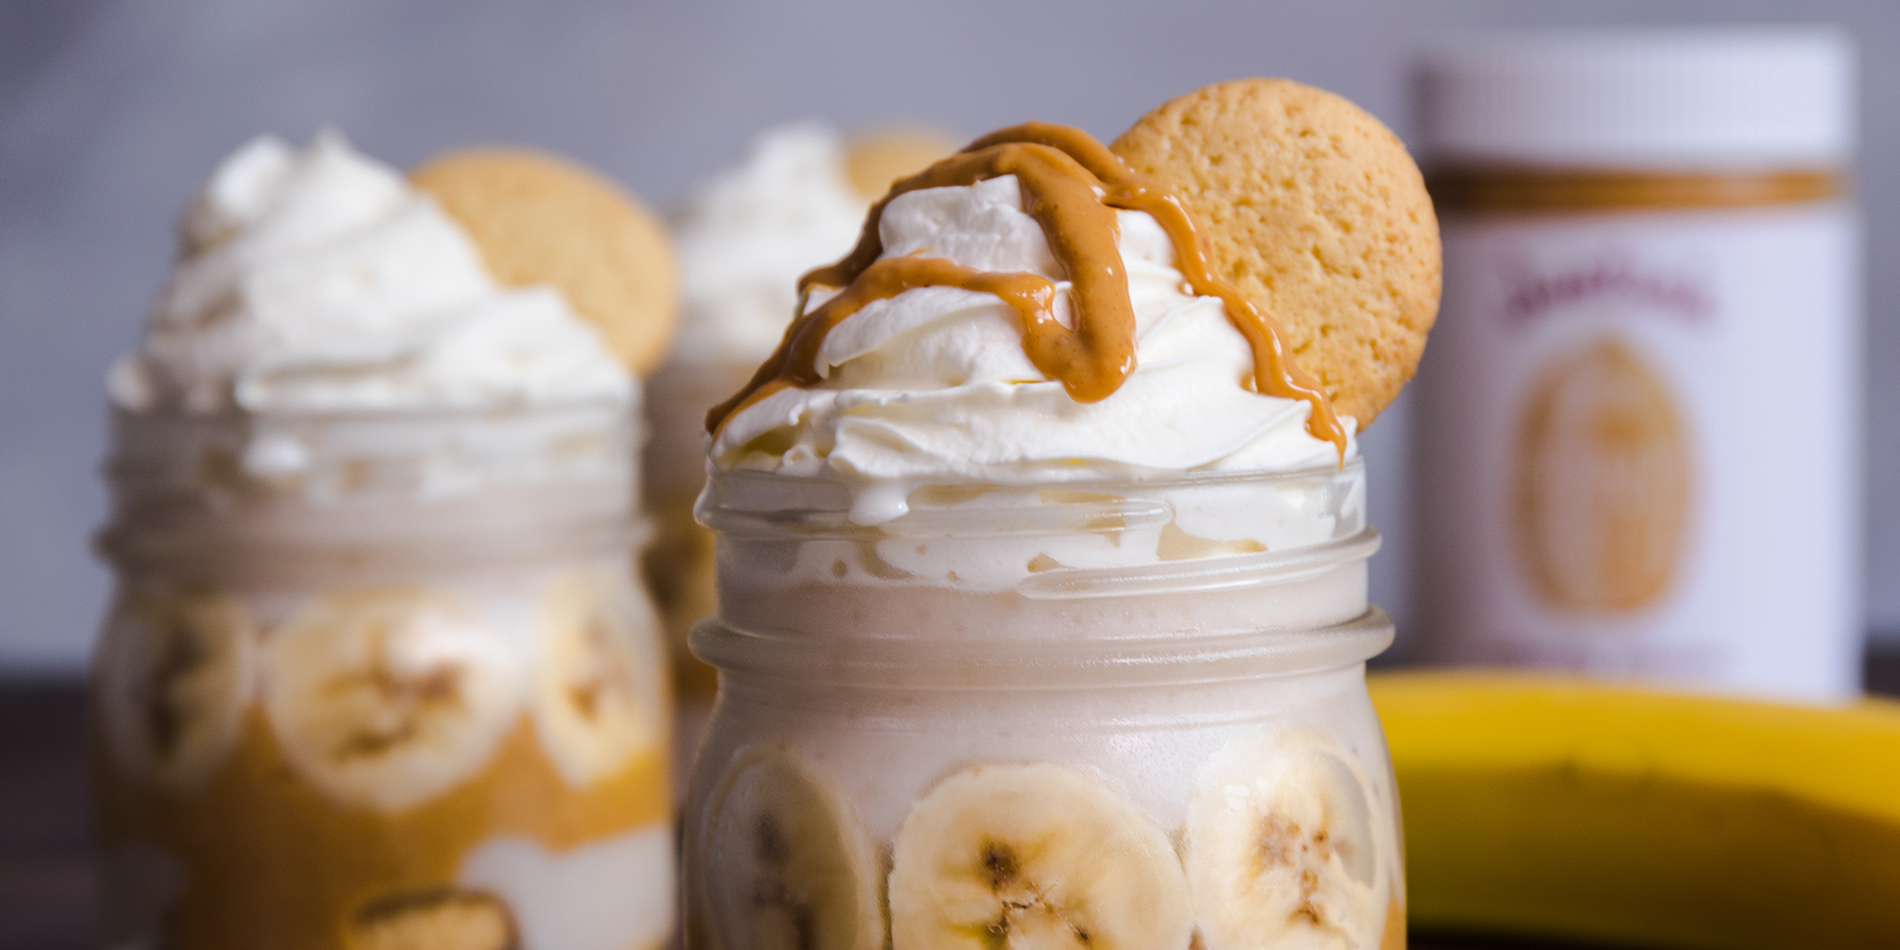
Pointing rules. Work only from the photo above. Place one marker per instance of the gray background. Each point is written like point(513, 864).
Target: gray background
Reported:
point(112, 112)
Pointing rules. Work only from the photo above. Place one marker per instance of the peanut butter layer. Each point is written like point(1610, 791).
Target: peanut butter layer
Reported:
point(271, 862)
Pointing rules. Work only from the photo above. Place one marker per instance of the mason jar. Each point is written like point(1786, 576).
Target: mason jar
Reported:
point(677, 565)
point(380, 680)
point(1128, 714)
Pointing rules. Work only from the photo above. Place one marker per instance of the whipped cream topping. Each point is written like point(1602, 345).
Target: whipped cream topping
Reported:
point(330, 338)
point(746, 236)
point(932, 386)
point(319, 280)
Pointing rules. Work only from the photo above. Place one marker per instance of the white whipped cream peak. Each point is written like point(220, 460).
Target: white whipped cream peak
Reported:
point(746, 236)
point(318, 279)
point(933, 387)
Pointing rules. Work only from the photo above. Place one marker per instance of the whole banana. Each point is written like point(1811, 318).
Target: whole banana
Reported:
point(1554, 807)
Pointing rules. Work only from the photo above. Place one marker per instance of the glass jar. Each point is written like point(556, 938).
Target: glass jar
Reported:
point(678, 564)
point(380, 681)
point(1136, 710)
point(1650, 329)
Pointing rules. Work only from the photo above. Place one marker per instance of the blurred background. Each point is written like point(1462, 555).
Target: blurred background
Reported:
point(111, 112)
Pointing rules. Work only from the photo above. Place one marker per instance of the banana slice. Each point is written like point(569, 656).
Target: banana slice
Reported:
point(786, 864)
point(175, 671)
point(388, 698)
point(1281, 850)
point(444, 919)
point(1031, 857)
point(596, 692)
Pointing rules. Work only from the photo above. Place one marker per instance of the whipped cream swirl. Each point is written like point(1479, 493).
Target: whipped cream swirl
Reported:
point(319, 280)
point(746, 236)
point(932, 386)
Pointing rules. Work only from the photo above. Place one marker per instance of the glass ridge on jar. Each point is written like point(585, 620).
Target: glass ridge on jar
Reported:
point(1083, 647)
point(375, 677)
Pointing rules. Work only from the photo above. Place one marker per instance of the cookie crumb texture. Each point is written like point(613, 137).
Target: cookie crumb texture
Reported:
point(541, 219)
point(1313, 208)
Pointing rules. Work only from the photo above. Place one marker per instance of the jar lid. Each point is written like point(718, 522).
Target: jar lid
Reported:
point(1779, 97)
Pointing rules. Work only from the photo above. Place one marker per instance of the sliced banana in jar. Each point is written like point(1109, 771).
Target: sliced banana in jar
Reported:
point(387, 698)
point(1035, 856)
point(786, 864)
point(438, 919)
point(175, 670)
point(596, 692)
point(1281, 849)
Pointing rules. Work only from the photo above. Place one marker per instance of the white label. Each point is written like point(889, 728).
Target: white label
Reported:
point(1638, 435)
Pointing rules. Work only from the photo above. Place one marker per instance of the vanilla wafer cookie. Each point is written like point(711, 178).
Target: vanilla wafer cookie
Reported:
point(541, 219)
point(1314, 210)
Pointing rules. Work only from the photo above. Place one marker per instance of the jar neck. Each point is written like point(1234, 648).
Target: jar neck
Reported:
point(776, 661)
point(1533, 189)
point(1246, 594)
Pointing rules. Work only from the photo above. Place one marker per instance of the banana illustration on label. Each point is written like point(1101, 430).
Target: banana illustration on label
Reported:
point(388, 698)
point(1281, 848)
point(1031, 857)
point(176, 669)
point(442, 919)
point(786, 864)
point(1602, 481)
point(596, 695)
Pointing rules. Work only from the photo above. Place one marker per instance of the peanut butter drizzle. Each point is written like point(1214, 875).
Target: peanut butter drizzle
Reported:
point(1071, 185)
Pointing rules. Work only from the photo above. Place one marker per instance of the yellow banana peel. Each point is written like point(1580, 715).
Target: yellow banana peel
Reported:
point(1555, 807)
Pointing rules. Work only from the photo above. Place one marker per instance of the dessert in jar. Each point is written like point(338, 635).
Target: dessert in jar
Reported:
point(1041, 548)
point(743, 239)
point(1630, 221)
point(377, 673)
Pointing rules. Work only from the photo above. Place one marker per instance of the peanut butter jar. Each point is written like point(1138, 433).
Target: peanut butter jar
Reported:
point(1640, 417)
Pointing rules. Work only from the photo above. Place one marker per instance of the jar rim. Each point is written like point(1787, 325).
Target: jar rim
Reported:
point(225, 552)
point(227, 415)
point(1052, 506)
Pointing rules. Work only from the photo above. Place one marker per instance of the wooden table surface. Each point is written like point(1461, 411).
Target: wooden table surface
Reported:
point(46, 879)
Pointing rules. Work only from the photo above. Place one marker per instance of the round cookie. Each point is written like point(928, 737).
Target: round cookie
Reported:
point(1314, 210)
point(879, 157)
point(541, 219)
